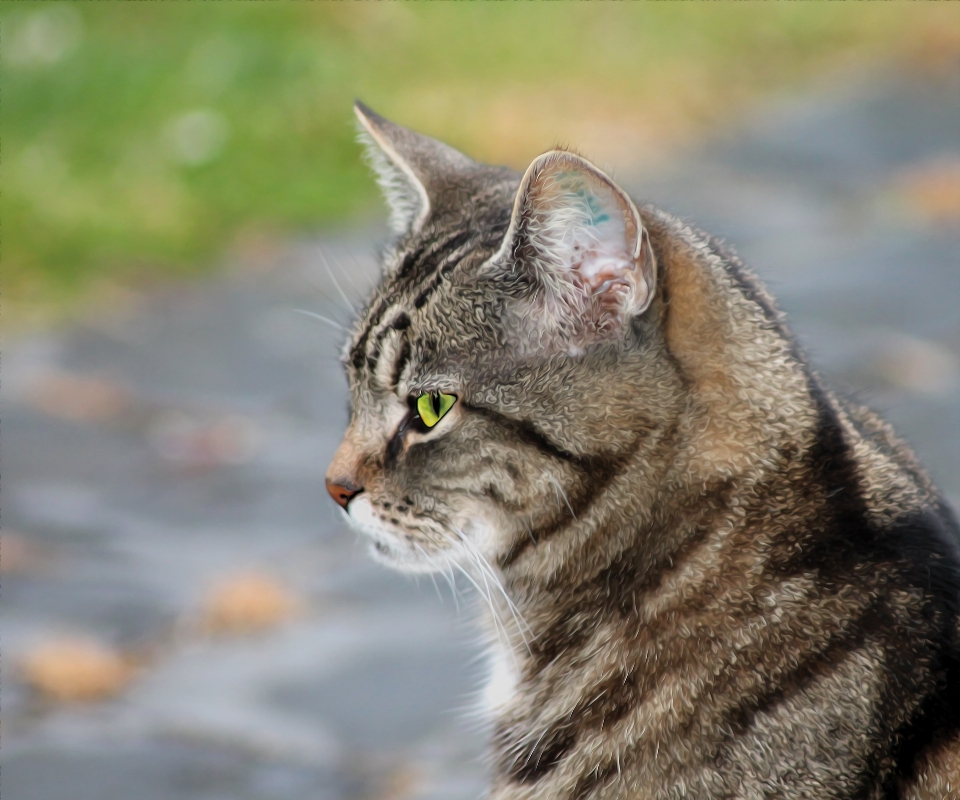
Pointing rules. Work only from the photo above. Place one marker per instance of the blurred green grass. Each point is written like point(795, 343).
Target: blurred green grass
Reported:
point(142, 139)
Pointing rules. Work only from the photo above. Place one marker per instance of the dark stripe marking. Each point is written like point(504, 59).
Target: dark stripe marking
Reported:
point(400, 322)
point(429, 255)
point(813, 665)
point(532, 763)
point(596, 472)
point(454, 260)
point(599, 776)
point(528, 433)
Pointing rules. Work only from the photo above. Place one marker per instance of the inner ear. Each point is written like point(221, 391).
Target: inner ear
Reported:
point(584, 238)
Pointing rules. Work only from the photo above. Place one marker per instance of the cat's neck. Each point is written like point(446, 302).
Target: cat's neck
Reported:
point(674, 510)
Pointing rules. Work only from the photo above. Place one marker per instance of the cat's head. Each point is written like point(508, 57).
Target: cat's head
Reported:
point(509, 356)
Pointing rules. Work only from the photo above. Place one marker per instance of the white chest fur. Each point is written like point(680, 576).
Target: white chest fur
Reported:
point(502, 681)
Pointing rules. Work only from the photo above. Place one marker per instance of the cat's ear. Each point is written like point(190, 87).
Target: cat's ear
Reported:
point(582, 238)
point(410, 167)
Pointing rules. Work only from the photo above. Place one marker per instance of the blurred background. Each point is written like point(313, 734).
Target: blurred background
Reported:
point(184, 616)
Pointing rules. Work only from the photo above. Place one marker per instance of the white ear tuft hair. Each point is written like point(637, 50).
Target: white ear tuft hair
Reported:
point(406, 196)
point(583, 238)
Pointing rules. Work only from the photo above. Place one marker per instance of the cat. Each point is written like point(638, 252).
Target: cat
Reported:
point(708, 577)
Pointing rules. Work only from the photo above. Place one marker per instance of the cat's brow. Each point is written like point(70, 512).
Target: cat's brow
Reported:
point(393, 353)
point(429, 263)
point(425, 260)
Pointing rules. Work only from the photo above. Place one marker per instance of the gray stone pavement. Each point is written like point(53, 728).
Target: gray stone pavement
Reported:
point(153, 451)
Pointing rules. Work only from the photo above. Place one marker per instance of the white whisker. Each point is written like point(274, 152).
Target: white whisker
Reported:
point(320, 317)
point(486, 570)
point(451, 581)
point(343, 294)
point(348, 275)
point(502, 634)
point(562, 493)
point(431, 562)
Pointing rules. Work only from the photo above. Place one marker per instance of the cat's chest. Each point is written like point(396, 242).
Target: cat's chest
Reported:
point(502, 680)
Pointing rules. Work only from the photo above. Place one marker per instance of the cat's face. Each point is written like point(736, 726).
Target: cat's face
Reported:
point(487, 372)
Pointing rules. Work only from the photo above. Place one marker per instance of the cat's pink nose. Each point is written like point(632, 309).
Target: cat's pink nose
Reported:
point(342, 493)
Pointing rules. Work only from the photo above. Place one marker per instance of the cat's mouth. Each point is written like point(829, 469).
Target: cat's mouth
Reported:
point(385, 554)
point(399, 558)
point(386, 544)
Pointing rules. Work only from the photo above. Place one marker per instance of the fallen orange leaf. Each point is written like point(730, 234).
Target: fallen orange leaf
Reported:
point(72, 670)
point(247, 602)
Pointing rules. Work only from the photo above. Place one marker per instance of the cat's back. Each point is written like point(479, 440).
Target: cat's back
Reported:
point(839, 511)
point(913, 541)
point(883, 529)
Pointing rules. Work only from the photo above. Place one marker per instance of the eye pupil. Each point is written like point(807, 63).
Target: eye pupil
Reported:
point(433, 406)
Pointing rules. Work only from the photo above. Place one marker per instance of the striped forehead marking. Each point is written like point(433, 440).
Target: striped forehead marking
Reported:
point(368, 347)
point(393, 357)
point(428, 264)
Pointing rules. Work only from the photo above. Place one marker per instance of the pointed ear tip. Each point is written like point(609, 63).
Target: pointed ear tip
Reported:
point(361, 109)
point(541, 163)
point(560, 155)
point(367, 116)
point(556, 153)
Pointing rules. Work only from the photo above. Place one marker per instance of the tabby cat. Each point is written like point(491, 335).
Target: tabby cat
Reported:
point(707, 576)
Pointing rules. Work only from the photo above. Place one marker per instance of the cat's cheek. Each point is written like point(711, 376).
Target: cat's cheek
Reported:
point(487, 534)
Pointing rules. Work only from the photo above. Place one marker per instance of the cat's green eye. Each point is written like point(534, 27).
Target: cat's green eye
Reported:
point(433, 406)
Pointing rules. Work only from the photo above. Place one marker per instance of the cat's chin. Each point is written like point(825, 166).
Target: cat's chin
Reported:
point(386, 546)
point(400, 561)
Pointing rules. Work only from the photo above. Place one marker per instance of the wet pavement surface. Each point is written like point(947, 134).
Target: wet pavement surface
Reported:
point(178, 444)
